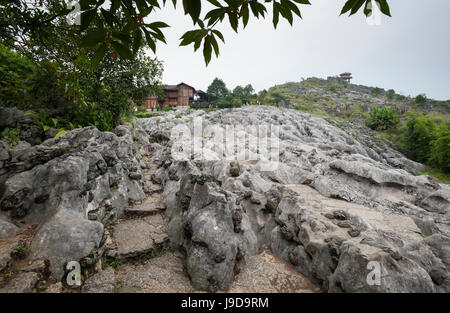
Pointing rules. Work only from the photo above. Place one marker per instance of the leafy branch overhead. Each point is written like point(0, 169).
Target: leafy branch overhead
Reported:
point(120, 25)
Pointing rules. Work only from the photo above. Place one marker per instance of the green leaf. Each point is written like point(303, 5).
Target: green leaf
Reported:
point(218, 34)
point(193, 8)
point(215, 45)
point(93, 38)
point(207, 50)
point(98, 55)
point(137, 41)
point(150, 41)
point(232, 17)
point(384, 7)
point(157, 25)
point(276, 14)
point(245, 14)
point(61, 132)
point(122, 50)
point(86, 18)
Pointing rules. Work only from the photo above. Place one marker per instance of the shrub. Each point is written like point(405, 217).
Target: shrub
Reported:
point(223, 103)
point(440, 154)
point(421, 99)
point(167, 108)
point(382, 118)
point(146, 114)
point(376, 91)
point(390, 94)
point(11, 135)
point(418, 142)
point(236, 103)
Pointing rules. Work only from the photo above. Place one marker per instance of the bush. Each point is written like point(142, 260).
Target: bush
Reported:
point(390, 94)
point(419, 137)
point(167, 108)
point(236, 103)
point(223, 103)
point(440, 154)
point(146, 114)
point(11, 135)
point(376, 91)
point(382, 118)
point(15, 72)
point(421, 99)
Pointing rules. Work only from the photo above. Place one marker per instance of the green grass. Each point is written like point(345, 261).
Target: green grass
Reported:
point(146, 114)
point(443, 178)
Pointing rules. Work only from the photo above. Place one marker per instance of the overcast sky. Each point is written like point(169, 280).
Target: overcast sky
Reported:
point(409, 52)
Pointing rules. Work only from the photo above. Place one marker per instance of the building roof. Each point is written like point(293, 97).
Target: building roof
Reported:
point(175, 87)
point(186, 85)
point(170, 87)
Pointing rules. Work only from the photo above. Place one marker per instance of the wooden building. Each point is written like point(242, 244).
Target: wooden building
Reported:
point(346, 76)
point(174, 95)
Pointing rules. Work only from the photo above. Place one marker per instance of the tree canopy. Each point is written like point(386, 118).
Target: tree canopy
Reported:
point(124, 26)
point(217, 90)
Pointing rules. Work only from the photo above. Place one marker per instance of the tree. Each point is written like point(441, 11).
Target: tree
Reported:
point(245, 94)
point(217, 90)
point(390, 94)
point(65, 80)
point(421, 99)
point(377, 91)
point(120, 25)
point(419, 137)
point(440, 154)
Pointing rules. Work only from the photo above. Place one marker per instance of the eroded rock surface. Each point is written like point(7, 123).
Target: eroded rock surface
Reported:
point(331, 205)
point(331, 209)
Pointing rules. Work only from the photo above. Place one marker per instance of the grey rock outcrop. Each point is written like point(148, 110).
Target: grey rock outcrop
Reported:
point(346, 211)
point(333, 207)
point(70, 186)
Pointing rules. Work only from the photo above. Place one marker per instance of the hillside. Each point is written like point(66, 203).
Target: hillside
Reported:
point(348, 100)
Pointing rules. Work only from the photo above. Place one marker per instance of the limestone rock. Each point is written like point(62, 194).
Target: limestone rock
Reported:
point(102, 282)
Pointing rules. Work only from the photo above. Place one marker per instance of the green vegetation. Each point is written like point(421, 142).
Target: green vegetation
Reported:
point(15, 71)
point(220, 97)
point(440, 177)
point(423, 140)
point(11, 135)
point(57, 78)
point(146, 114)
point(120, 27)
point(167, 108)
point(382, 118)
point(115, 264)
point(155, 252)
point(421, 99)
point(390, 94)
point(440, 152)
point(419, 137)
point(377, 91)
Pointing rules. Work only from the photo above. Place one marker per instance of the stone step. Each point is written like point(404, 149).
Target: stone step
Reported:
point(136, 236)
point(149, 206)
point(152, 188)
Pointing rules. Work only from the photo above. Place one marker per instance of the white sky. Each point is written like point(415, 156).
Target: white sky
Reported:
point(409, 52)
